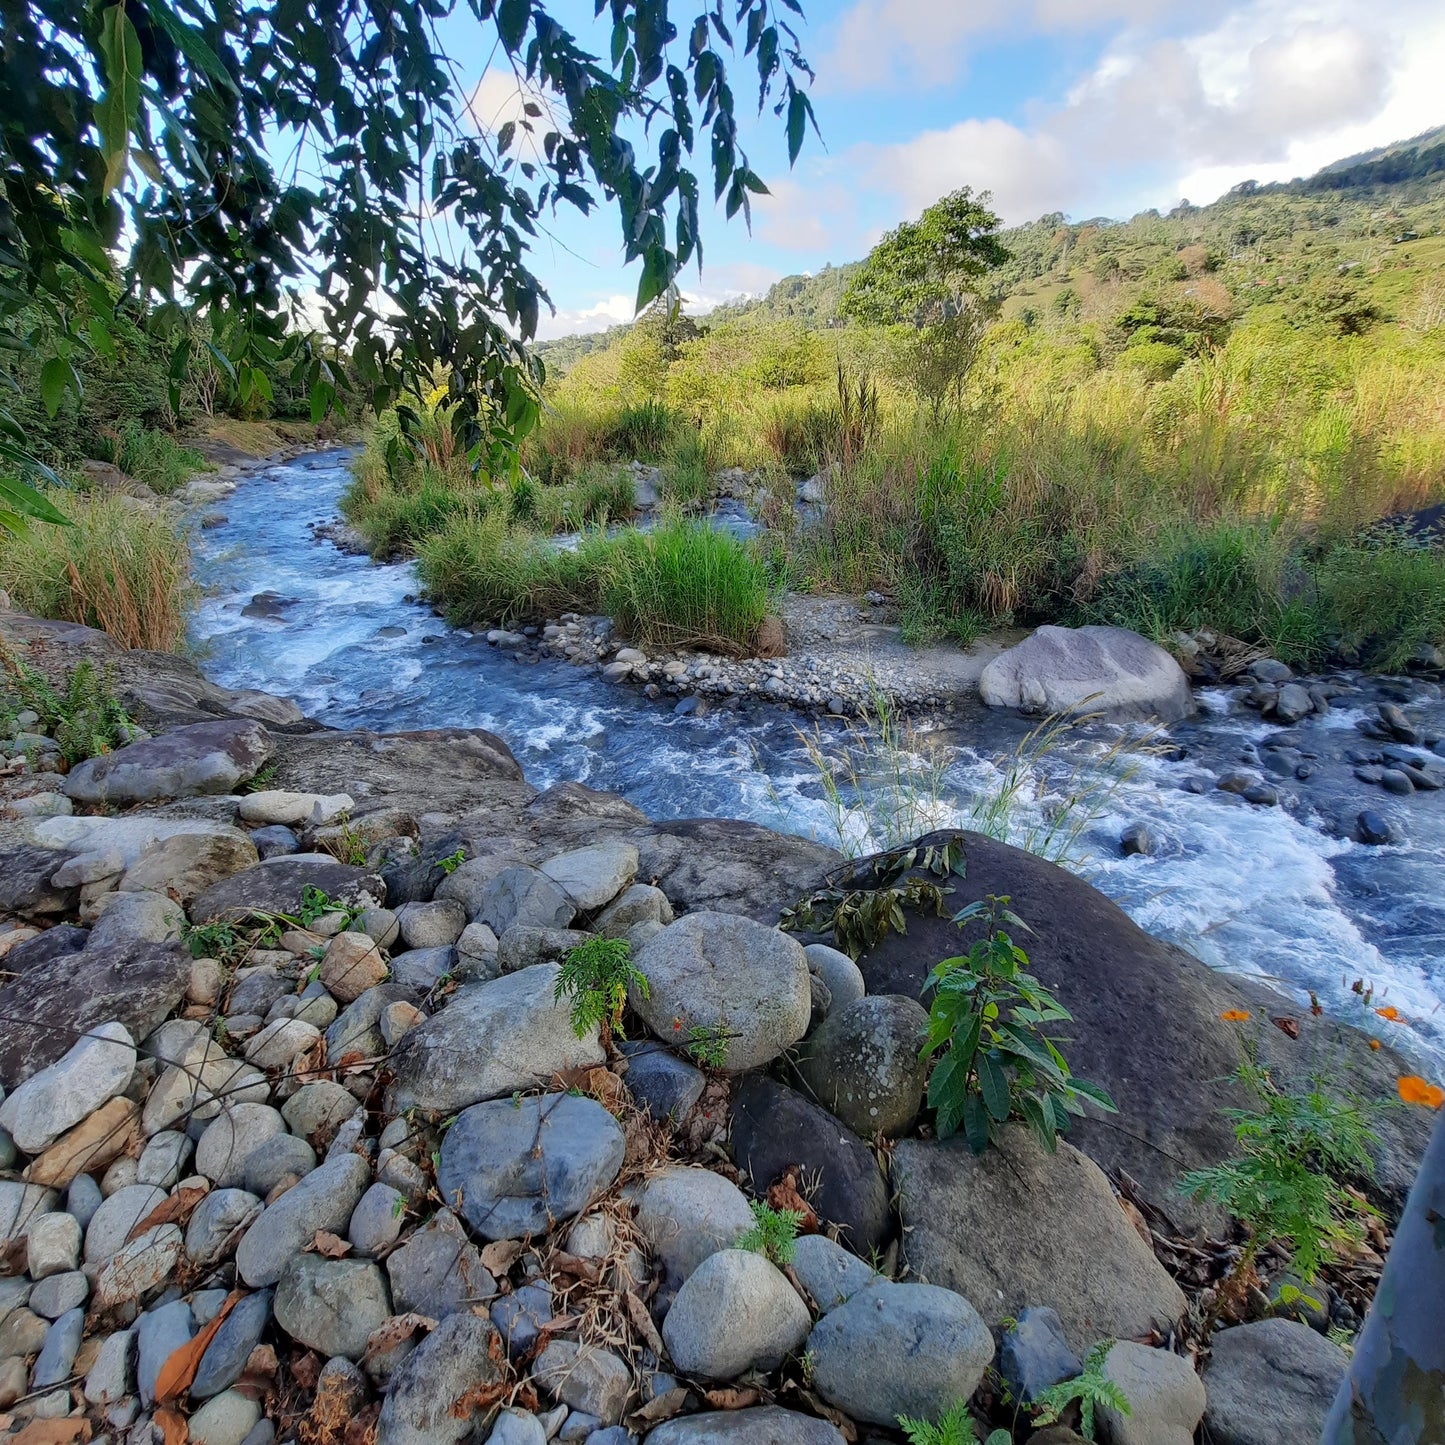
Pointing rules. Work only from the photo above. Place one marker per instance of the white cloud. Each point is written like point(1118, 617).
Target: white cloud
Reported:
point(609, 311)
point(798, 216)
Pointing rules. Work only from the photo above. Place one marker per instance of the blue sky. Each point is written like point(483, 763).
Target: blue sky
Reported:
point(1090, 107)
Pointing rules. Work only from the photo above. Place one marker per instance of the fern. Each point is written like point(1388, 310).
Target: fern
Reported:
point(84, 717)
point(954, 1428)
point(596, 977)
point(774, 1233)
point(1090, 1389)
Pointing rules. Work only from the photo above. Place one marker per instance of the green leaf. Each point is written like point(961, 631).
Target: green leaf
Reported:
point(975, 1124)
point(994, 1083)
point(55, 377)
point(21, 499)
point(512, 17)
point(119, 106)
point(191, 44)
point(1094, 1093)
point(102, 342)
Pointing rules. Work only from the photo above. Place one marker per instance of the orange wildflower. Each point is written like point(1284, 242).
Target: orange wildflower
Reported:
point(1390, 1012)
point(1235, 1015)
point(1415, 1090)
point(1374, 1043)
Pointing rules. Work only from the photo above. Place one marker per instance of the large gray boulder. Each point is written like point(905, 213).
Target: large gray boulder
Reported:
point(863, 1063)
point(1165, 1395)
point(761, 1425)
point(1107, 670)
point(725, 974)
point(452, 1363)
point(208, 757)
point(593, 876)
point(1270, 1383)
point(97, 1068)
point(489, 1041)
point(517, 1167)
point(899, 1349)
point(686, 1214)
point(277, 884)
point(1017, 1226)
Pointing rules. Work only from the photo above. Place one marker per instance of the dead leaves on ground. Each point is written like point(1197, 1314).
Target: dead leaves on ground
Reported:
point(176, 1208)
point(182, 1363)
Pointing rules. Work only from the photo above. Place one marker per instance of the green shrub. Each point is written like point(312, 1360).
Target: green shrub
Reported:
point(774, 1233)
point(596, 977)
point(985, 1027)
point(643, 431)
point(1157, 360)
point(803, 435)
point(956, 1427)
point(154, 457)
point(1089, 1390)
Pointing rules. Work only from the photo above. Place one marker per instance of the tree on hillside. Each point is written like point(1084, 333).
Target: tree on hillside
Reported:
point(927, 274)
point(233, 153)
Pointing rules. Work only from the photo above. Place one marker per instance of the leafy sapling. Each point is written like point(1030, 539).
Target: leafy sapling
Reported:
point(774, 1233)
point(1090, 1389)
point(986, 1030)
point(452, 861)
point(596, 976)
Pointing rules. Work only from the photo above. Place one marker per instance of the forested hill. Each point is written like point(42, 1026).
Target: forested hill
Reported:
point(1376, 220)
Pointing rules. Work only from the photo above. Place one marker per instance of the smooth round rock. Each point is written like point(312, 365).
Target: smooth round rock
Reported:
point(332, 1305)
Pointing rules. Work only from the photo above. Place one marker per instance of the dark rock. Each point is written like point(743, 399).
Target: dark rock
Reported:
point(1373, 829)
point(1261, 795)
point(438, 1271)
point(760, 1425)
point(277, 885)
point(660, 1082)
point(1396, 723)
point(1425, 780)
point(275, 841)
point(139, 984)
point(523, 897)
point(422, 969)
point(57, 942)
point(1394, 780)
point(1270, 1383)
point(1369, 772)
point(1293, 703)
point(1136, 840)
point(1238, 782)
point(1267, 669)
point(1034, 1354)
point(25, 885)
point(425, 1402)
point(519, 1317)
point(225, 1359)
point(210, 757)
point(775, 1128)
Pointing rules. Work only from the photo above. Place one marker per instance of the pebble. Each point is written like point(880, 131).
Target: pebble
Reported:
point(324, 1199)
point(377, 1219)
point(331, 1305)
point(52, 1245)
point(160, 1332)
point(225, 1420)
point(225, 1358)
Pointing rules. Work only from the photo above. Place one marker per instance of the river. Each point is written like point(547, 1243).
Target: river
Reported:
point(1282, 892)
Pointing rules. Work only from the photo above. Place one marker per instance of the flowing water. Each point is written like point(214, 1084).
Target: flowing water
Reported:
point(1276, 891)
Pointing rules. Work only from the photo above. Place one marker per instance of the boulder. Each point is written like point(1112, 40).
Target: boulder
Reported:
point(863, 1063)
point(431, 925)
point(525, 897)
point(231, 1138)
point(438, 1271)
point(1016, 1226)
point(519, 1167)
point(1271, 1383)
point(276, 886)
point(324, 1199)
point(1106, 670)
point(275, 807)
point(593, 876)
point(1146, 1027)
point(842, 977)
point(1165, 1395)
point(208, 757)
point(189, 863)
point(425, 1402)
point(491, 1040)
point(523, 947)
point(134, 984)
point(687, 1214)
point(27, 885)
point(774, 1128)
point(641, 903)
point(331, 1305)
point(736, 1311)
point(899, 1349)
point(218, 1221)
point(96, 1068)
point(730, 977)
point(1033, 1354)
point(828, 1272)
point(760, 1425)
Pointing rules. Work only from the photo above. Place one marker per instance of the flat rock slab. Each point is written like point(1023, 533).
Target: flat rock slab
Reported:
point(209, 757)
point(130, 837)
point(1017, 1226)
point(277, 884)
point(517, 1168)
point(1107, 670)
point(763, 1425)
point(136, 984)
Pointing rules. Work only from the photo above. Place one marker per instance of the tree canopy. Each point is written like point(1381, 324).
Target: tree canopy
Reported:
point(230, 154)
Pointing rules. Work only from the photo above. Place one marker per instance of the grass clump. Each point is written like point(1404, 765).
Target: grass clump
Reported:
point(774, 1233)
point(123, 567)
point(155, 457)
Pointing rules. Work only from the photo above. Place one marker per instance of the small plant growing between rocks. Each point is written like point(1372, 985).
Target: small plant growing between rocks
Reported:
point(708, 1047)
point(985, 1026)
point(596, 976)
point(263, 779)
point(954, 1428)
point(452, 861)
point(1286, 1181)
point(774, 1234)
point(862, 901)
point(84, 717)
point(212, 940)
point(317, 903)
point(1089, 1389)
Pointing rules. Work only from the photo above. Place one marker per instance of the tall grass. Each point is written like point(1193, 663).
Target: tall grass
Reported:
point(123, 567)
point(155, 458)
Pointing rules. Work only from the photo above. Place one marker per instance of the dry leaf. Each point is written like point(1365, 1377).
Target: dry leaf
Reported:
point(306, 1370)
point(587, 1269)
point(329, 1246)
point(69, 1430)
point(362, 1430)
point(785, 1194)
point(396, 1331)
point(500, 1255)
point(173, 1427)
point(182, 1363)
point(479, 1398)
point(732, 1398)
point(663, 1407)
point(637, 1312)
point(1287, 1026)
point(175, 1209)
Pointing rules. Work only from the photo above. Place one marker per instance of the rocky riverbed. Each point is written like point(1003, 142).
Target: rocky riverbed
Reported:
point(301, 1140)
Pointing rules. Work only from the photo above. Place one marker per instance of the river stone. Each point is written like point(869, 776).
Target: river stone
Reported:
point(641, 903)
point(22, 1333)
point(352, 964)
point(224, 1361)
point(27, 885)
point(1106, 670)
point(139, 1266)
point(1033, 1354)
point(112, 1376)
point(276, 886)
point(331, 1305)
point(93, 867)
point(841, 975)
point(97, 1068)
point(523, 947)
point(199, 1087)
point(116, 1217)
point(1293, 703)
point(720, 971)
point(828, 1271)
point(83, 1198)
point(57, 1293)
point(159, 1334)
point(520, 1317)
point(188, 863)
point(217, 1222)
point(231, 1138)
point(136, 918)
point(421, 969)
point(324, 1199)
point(593, 876)
point(52, 1245)
point(1165, 1395)
point(1271, 1383)
point(225, 1420)
point(520, 1167)
point(376, 1220)
point(774, 1128)
point(282, 1156)
point(761, 1425)
point(591, 1380)
point(687, 1214)
point(526, 896)
point(274, 842)
point(273, 806)
point(316, 1111)
point(438, 1271)
point(437, 924)
point(57, 1355)
point(458, 1360)
point(208, 757)
point(899, 1349)
point(137, 985)
point(1017, 1225)
point(280, 1042)
point(20, 1204)
point(519, 1427)
point(660, 1082)
point(54, 942)
point(491, 1040)
point(863, 1064)
point(736, 1311)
